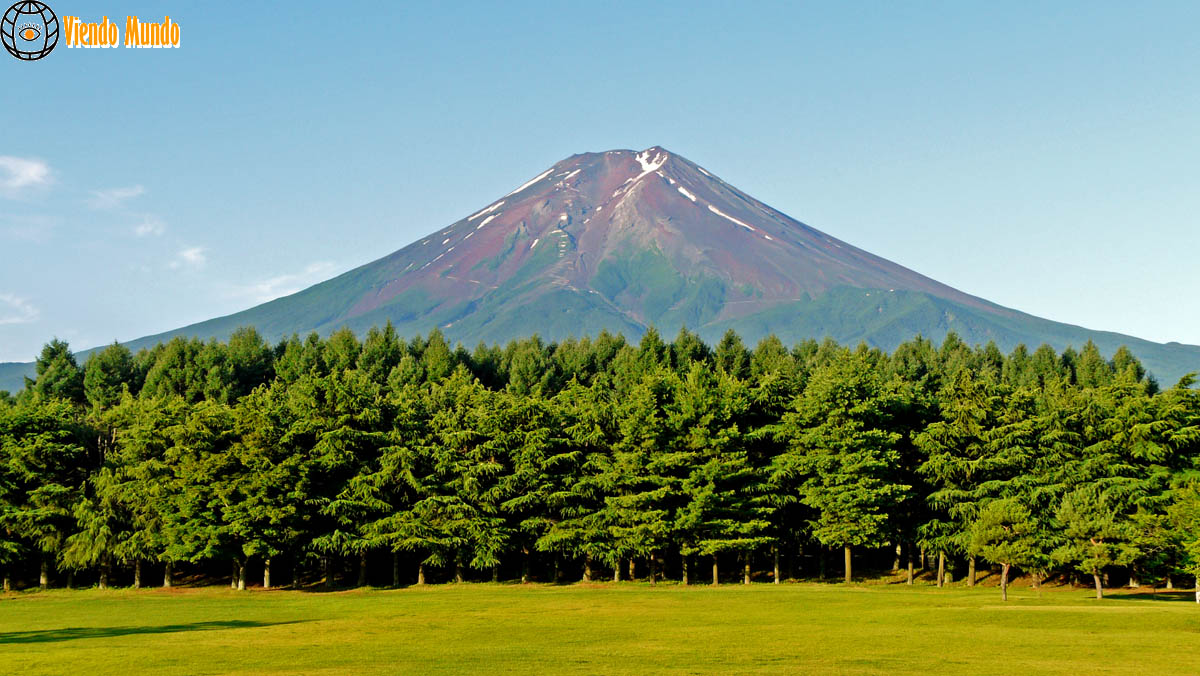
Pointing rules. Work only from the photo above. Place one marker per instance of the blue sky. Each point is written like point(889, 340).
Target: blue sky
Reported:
point(1043, 157)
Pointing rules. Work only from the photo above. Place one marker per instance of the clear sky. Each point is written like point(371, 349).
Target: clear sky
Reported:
point(1045, 156)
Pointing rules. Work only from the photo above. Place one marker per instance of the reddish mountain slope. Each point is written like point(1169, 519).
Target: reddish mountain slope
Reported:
point(622, 240)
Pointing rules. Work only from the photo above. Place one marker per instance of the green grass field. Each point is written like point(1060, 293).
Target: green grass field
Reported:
point(599, 629)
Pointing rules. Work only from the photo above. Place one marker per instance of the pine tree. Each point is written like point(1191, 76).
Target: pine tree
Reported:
point(58, 374)
point(573, 483)
point(1096, 536)
point(958, 463)
point(143, 476)
point(101, 528)
point(1004, 533)
point(353, 426)
point(841, 455)
point(720, 505)
point(637, 504)
point(45, 462)
point(106, 374)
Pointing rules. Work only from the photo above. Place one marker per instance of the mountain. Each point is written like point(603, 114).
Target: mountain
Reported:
point(622, 240)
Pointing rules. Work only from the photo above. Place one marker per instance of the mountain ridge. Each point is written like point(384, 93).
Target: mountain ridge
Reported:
point(623, 240)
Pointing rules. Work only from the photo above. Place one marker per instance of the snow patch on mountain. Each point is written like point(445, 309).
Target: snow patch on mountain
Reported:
point(486, 211)
point(649, 165)
point(531, 182)
point(726, 216)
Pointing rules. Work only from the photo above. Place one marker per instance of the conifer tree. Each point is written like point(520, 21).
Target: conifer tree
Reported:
point(958, 463)
point(45, 462)
point(841, 455)
point(58, 374)
point(720, 507)
point(573, 483)
point(1004, 533)
point(106, 373)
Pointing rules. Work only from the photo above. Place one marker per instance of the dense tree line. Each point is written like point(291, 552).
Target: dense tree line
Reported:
point(316, 457)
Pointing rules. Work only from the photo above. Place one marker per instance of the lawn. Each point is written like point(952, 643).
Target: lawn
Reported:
point(625, 628)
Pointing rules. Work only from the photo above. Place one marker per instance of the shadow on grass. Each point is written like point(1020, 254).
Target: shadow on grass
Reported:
point(73, 633)
point(1162, 595)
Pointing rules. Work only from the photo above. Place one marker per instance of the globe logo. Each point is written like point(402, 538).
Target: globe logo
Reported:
point(29, 30)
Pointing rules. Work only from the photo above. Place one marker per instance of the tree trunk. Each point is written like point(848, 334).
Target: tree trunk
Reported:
point(632, 570)
point(775, 552)
point(1133, 580)
point(1170, 584)
point(716, 576)
point(1198, 589)
point(909, 581)
point(458, 570)
point(44, 574)
point(746, 569)
point(395, 569)
point(241, 574)
point(653, 578)
point(848, 571)
point(922, 560)
point(683, 580)
point(421, 574)
point(971, 572)
point(362, 569)
point(1004, 582)
point(587, 567)
point(7, 583)
point(896, 561)
point(137, 574)
point(941, 571)
point(525, 565)
point(496, 573)
point(70, 579)
point(167, 570)
point(233, 574)
point(1099, 587)
point(267, 573)
point(327, 581)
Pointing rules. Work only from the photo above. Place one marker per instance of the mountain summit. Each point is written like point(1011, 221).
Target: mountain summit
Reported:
point(617, 240)
point(639, 238)
point(623, 240)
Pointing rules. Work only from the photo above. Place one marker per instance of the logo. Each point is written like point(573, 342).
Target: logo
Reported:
point(29, 30)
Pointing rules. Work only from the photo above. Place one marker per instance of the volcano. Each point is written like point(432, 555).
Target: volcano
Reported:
point(624, 240)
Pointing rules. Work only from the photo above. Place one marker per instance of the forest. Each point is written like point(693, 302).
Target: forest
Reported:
point(321, 462)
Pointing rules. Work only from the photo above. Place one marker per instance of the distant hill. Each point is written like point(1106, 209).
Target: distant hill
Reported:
point(622, 240)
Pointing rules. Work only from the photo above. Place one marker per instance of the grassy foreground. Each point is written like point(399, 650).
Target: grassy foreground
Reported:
point(604, 628)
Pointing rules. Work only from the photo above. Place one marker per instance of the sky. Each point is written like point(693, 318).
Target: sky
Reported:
point(1043, 156)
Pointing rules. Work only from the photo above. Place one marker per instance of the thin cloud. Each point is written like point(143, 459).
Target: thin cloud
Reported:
point(114, 197)
point(192, 257)
point(16, 310)
point(20, 174)
point(283, 285)
point(150, 226)
point(27, 227)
